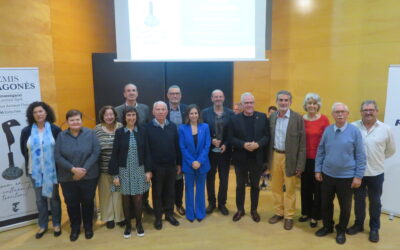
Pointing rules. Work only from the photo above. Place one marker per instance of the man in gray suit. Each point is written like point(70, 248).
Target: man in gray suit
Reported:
point(286, 157)
point(131, 93)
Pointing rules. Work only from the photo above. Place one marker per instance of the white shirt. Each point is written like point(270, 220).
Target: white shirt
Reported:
point(280, 131)
point(379, 144)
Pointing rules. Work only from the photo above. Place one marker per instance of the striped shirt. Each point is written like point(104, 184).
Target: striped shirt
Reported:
point(106, 141)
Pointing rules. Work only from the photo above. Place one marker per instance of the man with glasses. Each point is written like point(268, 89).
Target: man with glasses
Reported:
point(340, 165)
point(380, 144)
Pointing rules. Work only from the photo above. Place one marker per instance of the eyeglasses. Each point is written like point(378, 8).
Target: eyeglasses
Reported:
point(340, 112)
point(368, 110)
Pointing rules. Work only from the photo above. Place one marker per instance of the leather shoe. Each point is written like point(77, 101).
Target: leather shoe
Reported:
point(158, 224)
point(122, 223)
point(110, 224)
point(288, 224)
point(313, 223)
point(323, 231)
point(238, 215)
point(89, 234)
point(275, 219)
point(374, 236)
point(210, 209)
point(341, 238)
point(74, 236)
point(181, 210)
point(40, 233)
point(223, 209)
point(171, 219)
point(255, 216)
point(354, 229)
point(57, 233)
point(304, 218)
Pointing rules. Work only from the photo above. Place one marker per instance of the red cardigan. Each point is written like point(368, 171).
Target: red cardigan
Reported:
point(314, 131)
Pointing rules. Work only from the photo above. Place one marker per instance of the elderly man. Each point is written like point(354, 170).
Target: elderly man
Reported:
point(379, 144)
point(131, 94)
point(340, 165)
point(286, 158)
point(249, 133)
point(218, 117)
point(176, 115)
point(162, 139)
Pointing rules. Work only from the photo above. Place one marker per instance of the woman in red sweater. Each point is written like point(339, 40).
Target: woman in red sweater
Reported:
point(315, 124)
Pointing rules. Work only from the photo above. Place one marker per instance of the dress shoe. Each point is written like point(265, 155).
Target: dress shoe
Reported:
point(139, 230)
point(199, 220)
point(191, 221)
point(238, 215)
point(354, 229)
point(341, 237)
point(181, 210)
point(288, 224)
point(171, 219)
point(89, 234)
point(121, 223)
point(57, 233)
point(210, 209)
point(323, 231)
point(110, 224)
point(74, 235)
point(304, 218)
point(40, 233)
point(158, 224)
point(255, 216)
point(313, 223)
point(275, 219)
point(374, 236)
point(223, 209)
point(147, 208)
point(127, 232)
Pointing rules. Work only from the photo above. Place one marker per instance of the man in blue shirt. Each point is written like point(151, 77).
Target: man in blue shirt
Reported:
point(340, 165)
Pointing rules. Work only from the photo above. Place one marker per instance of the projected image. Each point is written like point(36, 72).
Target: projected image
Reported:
point(151, 20)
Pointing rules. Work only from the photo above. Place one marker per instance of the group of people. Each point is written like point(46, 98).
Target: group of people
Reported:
point(182, 148)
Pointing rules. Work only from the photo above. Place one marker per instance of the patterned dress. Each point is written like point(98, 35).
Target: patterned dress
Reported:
point(132, 178)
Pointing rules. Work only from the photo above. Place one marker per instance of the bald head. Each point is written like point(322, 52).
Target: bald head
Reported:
point(217, 98)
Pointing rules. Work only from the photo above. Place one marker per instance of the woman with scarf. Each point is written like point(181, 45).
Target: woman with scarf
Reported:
point(37, 143)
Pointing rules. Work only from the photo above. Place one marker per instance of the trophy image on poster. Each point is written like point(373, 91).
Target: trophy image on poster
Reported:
point(12, 172)
point(151, 20)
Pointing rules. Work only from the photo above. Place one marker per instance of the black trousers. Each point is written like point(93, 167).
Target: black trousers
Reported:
point(179, 184)
point(163, 184)
point(253, 170)
point(310, 192)
point(79, 198)
point(220, 163)
point(342, 188)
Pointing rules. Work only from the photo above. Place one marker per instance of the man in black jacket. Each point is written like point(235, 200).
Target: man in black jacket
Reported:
point(176, 115)
point(162, 137)
point(249, 134)
point(217, 117)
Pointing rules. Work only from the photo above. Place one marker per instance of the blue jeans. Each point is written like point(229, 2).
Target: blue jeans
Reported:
point(373, 186)
point(43, 208)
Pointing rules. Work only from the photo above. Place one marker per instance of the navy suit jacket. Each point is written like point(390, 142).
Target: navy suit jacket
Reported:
point(190, 153)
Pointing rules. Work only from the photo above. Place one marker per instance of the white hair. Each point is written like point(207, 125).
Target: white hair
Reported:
point(339, 103)
point(245, 94)
point(216, 90)
point(159, 102)
point(312, 96)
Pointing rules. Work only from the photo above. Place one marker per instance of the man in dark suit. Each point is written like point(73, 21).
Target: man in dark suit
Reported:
point(249, 134)
point(217, 117)
point(176, 115)
point(286, 158)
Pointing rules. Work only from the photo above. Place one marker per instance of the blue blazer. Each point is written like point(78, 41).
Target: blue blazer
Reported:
point(190, 153)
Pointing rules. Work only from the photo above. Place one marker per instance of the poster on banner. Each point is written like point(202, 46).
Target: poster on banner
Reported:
point(18, 88)
point(391, 185)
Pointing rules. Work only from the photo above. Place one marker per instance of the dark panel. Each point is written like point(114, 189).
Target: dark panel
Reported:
point(198, 79)
point(110, 77)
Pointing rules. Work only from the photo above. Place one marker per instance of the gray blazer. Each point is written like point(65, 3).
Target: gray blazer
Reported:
point(295, 144)
point(143, 110)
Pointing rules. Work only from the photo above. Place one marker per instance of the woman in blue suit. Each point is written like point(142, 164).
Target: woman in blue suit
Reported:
point(194, 141)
